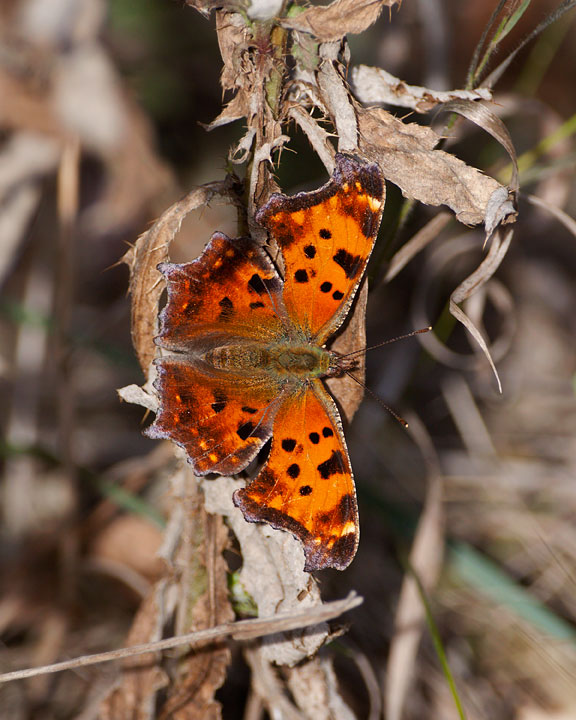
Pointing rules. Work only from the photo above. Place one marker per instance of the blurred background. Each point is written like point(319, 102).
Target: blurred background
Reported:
point(101, 111)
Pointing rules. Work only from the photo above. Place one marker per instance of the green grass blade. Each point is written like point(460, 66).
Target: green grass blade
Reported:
point(483, 575)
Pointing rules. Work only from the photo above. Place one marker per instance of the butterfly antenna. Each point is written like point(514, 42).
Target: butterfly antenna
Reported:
point(379, 399)
point(387, 342)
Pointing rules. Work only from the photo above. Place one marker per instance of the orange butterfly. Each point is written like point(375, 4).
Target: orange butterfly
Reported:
point(249, 359)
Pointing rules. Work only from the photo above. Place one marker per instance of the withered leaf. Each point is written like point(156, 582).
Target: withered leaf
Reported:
point(236, 109)
point(485, 118)
point(406, 154)
point(375, 85)
point(341, 17)
point(232, 35)
point(273, 575)
point(337, 99)
point(472, 283)
point(205, 7)
point(143, 257)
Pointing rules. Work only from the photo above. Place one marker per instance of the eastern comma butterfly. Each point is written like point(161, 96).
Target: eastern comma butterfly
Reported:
point(249, 359)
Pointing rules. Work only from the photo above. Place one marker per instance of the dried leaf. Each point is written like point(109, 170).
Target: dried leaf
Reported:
point(336, 20)
point(336, 98)
point(143, 257)
point(314, 687)
point(316, 134)
point(499, 211)
point(482, 116)
point(375, 85)
point(407, 158)
point(473, 282)
point(237, 108)
point(241, 152)
point(262, 184)
point(139, 396)
point(232, 36)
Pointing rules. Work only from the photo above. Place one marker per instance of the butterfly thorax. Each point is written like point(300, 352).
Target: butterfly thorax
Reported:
point(280, 359)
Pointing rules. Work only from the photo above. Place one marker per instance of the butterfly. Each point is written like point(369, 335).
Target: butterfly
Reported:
point(248, 357)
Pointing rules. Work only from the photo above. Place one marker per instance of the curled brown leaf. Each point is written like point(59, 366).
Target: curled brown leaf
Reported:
point(482, 116)
point(336, 20)
point(143, 257)
point(406, 154)
point(375, 85)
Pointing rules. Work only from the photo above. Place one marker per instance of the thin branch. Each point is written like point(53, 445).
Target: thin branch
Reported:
point(241, 630)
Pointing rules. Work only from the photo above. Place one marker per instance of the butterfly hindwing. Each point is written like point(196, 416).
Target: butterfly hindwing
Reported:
point(219, 419)
point(326, 238)
point(306, 486)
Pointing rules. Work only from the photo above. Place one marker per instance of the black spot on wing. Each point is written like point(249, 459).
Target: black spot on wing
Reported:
point(310, 251)
point(351, 264)
point(227, 308)
point(327, 432)
point(256, 305)
point(301, 276)
point(288, 444)
point(220, 402)
point(245, 430)
point(333, 466)
point(256, 284)
point(293, 471)
point(314, 438)
point(337, 295)
point(305, 490)
point(264, 286)
point(249, 410)
point(326, 287)
point(325, 234)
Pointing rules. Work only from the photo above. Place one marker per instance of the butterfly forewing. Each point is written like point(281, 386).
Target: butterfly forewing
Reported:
point(231, 290)
point(326, 238)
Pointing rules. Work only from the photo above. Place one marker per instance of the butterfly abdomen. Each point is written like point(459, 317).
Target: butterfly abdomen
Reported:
point(238, 358)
